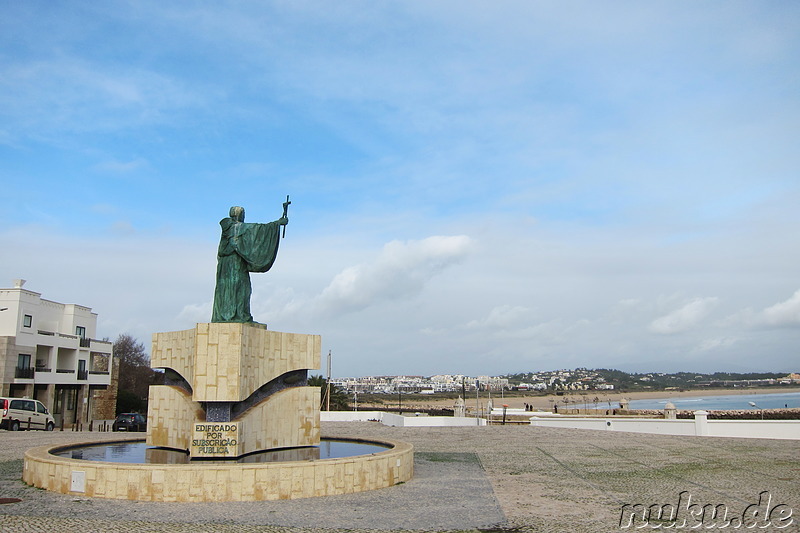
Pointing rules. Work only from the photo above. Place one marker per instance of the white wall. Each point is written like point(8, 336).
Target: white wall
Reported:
point(761, 429)
point(632, 425)
point(498, 411)
point(390, 419)
point(349, 416)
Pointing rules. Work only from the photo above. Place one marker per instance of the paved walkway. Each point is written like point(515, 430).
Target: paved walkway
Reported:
point(473, 478)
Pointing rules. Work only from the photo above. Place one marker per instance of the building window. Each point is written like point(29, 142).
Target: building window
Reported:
point(72, 399)
point(27, 321)
point(58, 402)
point(24, 369)
point(80, 331)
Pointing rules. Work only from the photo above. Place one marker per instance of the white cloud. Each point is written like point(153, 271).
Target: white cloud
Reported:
point(194, 313)
point(401, 270)
point(684, 318)
point(552, 332)
point(123, 227)
point(103, 209)
point(629, 157)
point(69, 93)
point(137, 284)
point(272, 302)
point(502, 317)
point(786, 313)
point(781, 314)
point(715, 344)
point(120, 167)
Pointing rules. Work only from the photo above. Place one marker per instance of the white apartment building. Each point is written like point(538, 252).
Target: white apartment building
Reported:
point(48, 352)
point(492, 383)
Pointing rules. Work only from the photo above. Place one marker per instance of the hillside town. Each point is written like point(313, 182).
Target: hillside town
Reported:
point(579, 379)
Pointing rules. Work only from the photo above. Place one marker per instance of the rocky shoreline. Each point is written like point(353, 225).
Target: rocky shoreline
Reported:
point(713, 414)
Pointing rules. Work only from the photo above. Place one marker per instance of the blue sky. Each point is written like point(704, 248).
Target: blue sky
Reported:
point(476, 188)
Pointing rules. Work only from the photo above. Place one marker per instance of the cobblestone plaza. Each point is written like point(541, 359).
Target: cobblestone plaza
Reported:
point(483, 478)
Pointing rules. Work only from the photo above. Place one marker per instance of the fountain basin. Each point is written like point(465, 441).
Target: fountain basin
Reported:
point(139, 452)
point(205, 481)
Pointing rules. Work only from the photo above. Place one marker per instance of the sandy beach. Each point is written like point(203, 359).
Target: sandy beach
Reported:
point(575, 397)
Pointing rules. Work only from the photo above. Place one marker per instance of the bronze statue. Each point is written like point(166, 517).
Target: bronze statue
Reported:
point(243, 248)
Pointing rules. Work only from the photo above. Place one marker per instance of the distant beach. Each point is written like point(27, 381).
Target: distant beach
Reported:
point(755, 400)
point(604, 397)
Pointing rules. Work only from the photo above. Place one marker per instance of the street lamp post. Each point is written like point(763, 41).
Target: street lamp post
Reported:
point(753, 404)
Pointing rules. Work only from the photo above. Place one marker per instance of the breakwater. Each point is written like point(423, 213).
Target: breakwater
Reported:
point(736, 414)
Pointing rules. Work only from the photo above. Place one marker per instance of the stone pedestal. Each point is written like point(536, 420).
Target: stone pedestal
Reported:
point(233, 389)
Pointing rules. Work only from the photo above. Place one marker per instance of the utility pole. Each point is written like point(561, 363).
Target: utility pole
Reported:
point(489, 405)
point(328, 389)
point(477, 401)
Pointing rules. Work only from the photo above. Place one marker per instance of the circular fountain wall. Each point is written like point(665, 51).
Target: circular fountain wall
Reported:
point(167, 475)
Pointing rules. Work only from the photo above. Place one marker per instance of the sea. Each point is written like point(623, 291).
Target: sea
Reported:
point(733, 402)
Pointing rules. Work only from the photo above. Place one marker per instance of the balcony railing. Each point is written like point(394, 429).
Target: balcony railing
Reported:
point(64, 371)
point(85, 343)
point(25, 373)
point(83, 375)
point(104, 343)
point(99, 372)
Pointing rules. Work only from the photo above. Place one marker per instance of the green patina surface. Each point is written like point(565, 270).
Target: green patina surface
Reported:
point(243, 248)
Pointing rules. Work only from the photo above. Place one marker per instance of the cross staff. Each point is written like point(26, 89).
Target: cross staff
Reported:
point(285, 212)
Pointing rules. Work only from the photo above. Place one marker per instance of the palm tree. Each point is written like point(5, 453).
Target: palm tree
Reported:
point(339, 400)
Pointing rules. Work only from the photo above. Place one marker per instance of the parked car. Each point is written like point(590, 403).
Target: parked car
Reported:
point(24, 413)
point(130, 422)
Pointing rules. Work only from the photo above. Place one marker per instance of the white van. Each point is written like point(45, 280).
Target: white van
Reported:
point(24, 413)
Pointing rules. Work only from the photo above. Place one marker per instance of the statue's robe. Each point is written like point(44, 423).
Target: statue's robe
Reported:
point(244, 247)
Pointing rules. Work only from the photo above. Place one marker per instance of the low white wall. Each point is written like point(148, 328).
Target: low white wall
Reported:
point(762, 429)
point(498, 411)
point(349, 416)
point(632, 425)
point(102, 425)
point(509, 411)
point(391, 419)
point(700, 425)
